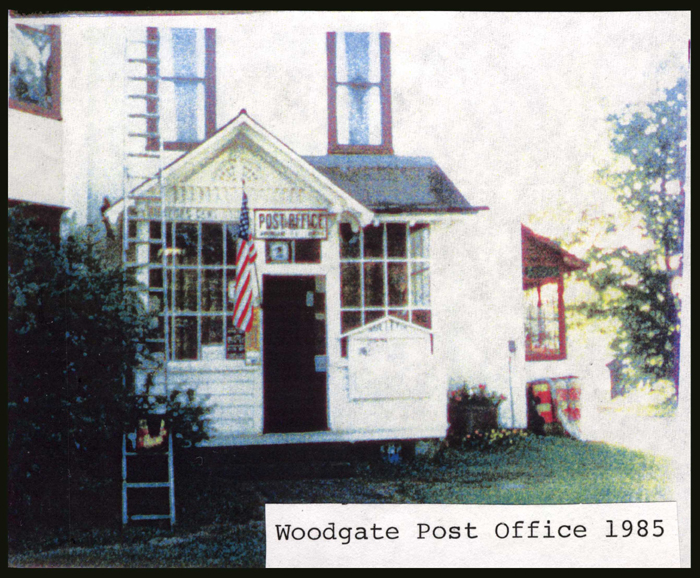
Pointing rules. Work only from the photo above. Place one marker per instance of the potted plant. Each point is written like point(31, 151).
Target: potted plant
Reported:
point(472, 408)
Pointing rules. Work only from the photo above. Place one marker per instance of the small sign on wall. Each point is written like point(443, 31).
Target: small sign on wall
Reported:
point(291, 224)
point(235, 343)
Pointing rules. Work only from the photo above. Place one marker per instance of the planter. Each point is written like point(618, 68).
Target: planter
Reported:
point(467, 419)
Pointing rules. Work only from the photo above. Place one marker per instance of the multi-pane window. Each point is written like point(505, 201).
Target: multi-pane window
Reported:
point(384, 270)
point(544, 318)
point(544, 265)
point(200, 275)
point(181, 62)
point(359, 93)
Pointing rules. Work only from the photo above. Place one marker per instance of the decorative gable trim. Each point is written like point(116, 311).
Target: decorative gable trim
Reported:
point(244, 127)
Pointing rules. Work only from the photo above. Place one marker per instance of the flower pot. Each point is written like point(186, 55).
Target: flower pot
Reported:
point(480, 418)
point(466, 419)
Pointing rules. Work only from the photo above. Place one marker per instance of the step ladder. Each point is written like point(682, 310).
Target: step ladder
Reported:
point(155, 454)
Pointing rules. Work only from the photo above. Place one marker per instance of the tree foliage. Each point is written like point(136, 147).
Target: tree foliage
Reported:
point(637, 288)
point(76, 332)
point(653, 141)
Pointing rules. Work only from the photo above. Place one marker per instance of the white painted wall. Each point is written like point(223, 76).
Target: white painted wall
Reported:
point(35, 158)
point(478, 305)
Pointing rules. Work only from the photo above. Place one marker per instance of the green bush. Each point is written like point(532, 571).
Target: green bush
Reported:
point(76, 332)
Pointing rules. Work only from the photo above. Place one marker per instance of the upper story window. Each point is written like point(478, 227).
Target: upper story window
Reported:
point(359, 93)
point(182, 62)
point(35, 70)
point(384, 270)
point(544, 266)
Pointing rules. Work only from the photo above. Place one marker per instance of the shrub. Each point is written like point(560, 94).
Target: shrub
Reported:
point(76, 332)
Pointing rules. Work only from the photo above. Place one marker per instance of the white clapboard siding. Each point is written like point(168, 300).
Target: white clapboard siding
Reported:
point(235, 395)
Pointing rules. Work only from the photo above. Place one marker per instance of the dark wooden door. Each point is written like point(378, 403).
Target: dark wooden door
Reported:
point(294, 391)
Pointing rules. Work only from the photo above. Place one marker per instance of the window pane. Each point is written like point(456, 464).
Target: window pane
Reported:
point(357, 56)
point(186, 236)
point(396, 240)
point(542, 320)
point(185, 290)
point(155, 278)
point(155, 302)
point(422, 318)
point(154, 254)
point(307, 251)
point(212, 244)
point(374, 284)
point(185, 338)
point(359, 115)
point(212, 330)
point(230, 288)
point(420, 284)
point(374, 241)
point(350, 320)
point(398, 284)
point(350, 285)
point(400, 313)
point(30, 69)
point(212, 290)
point(169, 228)
point(349, 242)
point(420, 241)
point(373, 315)
point(154, 230)
point(231, 244)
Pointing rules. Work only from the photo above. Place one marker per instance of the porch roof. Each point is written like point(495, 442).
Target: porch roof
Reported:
point(393, 184)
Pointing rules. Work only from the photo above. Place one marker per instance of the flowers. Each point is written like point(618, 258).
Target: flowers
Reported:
point(477, 395)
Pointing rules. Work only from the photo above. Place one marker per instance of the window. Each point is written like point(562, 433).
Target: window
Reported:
point(544, 265)
point(385, 270)
point(293, 251)
point(200, 274)
point(35, 70)
point(182, 92)
point(545, 330)
point(359, 93)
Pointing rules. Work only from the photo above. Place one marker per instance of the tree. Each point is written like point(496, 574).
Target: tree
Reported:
point(76, 332)
point(637, 288)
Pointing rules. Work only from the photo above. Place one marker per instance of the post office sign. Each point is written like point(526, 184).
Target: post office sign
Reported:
point(291, 224)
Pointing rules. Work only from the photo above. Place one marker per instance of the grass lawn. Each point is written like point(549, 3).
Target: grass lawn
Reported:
point(221, 516)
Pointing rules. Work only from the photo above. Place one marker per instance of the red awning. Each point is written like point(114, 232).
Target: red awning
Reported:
point(544, 261)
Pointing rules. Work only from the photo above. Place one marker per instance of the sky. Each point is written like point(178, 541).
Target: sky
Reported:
point(511, 105)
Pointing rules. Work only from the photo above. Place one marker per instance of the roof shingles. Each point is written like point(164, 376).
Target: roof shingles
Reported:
point(393, 184)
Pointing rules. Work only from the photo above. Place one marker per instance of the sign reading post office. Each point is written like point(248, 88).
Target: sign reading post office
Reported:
point(291, 224)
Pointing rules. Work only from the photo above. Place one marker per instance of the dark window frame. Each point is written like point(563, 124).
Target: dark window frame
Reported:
point(386, 147)
point(530, 353)
point(54, 62)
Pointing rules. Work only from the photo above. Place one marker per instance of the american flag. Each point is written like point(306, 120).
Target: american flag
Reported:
point(245, 261)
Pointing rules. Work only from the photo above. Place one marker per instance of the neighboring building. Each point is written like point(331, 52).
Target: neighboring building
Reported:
point(35, 128)
point(377, 284)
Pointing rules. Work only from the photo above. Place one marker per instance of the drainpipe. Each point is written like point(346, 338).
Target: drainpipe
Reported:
point(511, 351)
